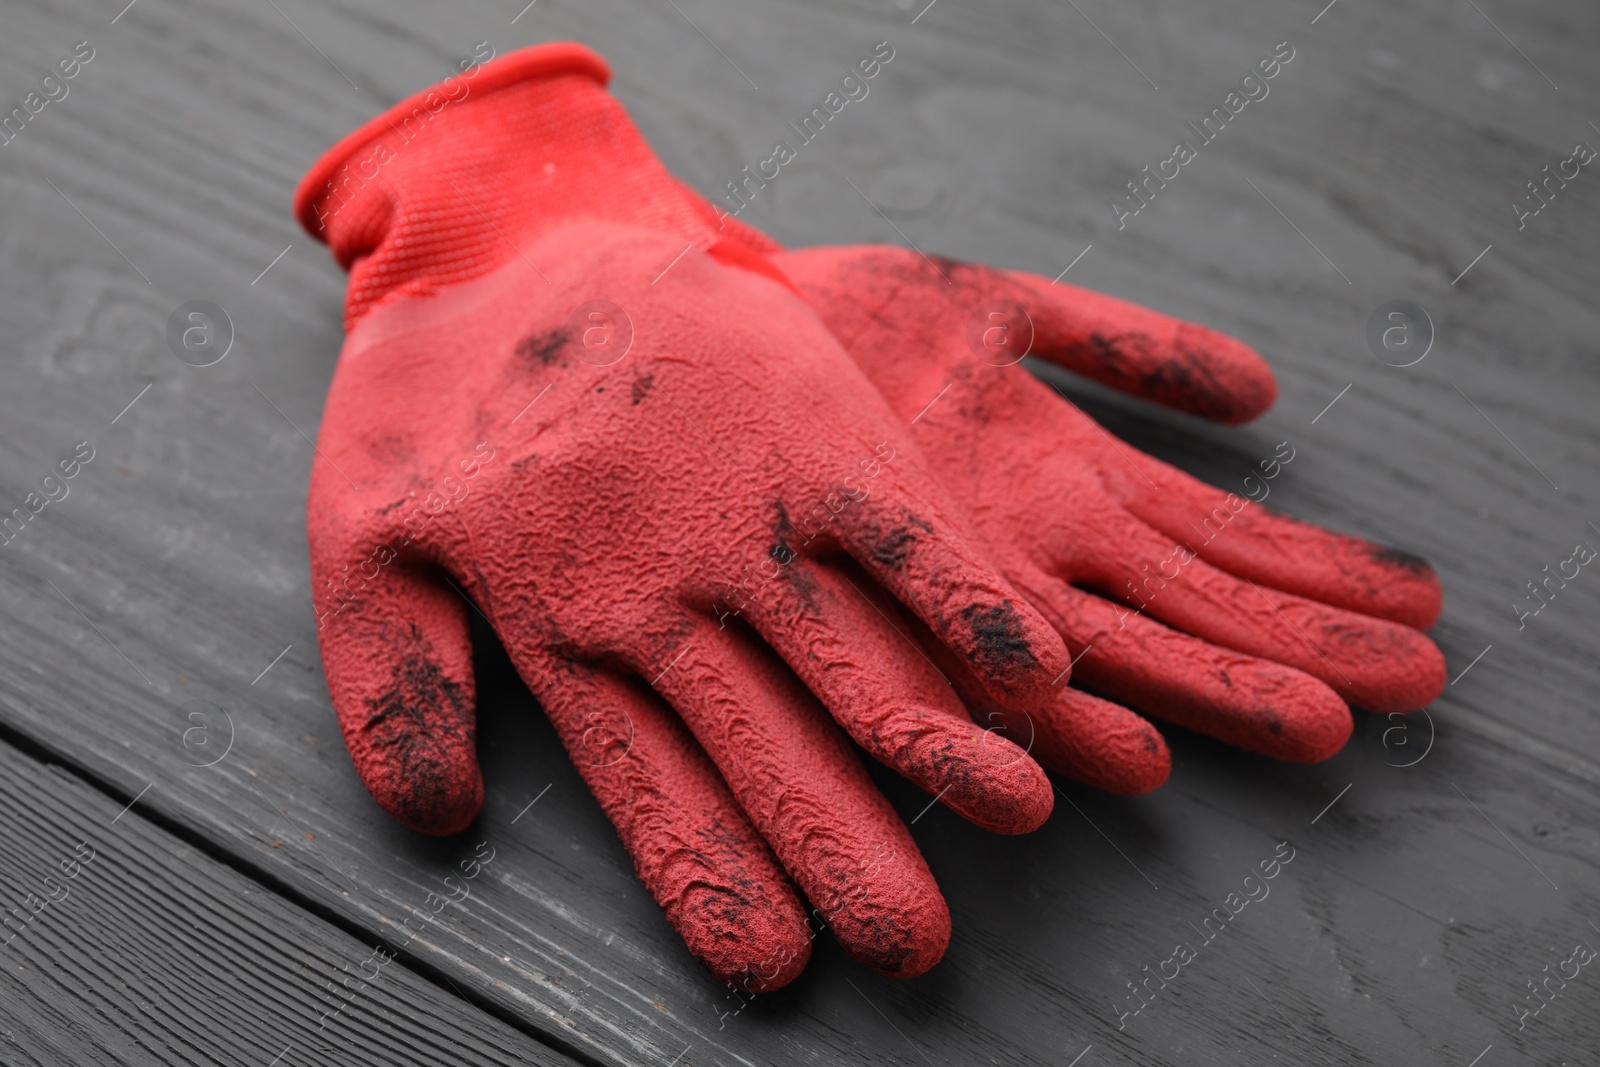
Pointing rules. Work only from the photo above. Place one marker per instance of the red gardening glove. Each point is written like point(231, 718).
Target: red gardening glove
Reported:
point(617, 447)
point(1191, 604)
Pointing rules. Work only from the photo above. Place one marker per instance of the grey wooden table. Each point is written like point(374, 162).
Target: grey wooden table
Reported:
point(193, 872)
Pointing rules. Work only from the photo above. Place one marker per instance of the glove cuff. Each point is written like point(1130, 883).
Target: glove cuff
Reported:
point(457, 180)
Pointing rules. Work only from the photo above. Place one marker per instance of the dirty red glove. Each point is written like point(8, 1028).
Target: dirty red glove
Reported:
point(660, 480)
point(1195, 605)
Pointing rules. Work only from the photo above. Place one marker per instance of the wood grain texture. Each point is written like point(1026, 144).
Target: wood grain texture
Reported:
point(123, 945)
point(1384, 160)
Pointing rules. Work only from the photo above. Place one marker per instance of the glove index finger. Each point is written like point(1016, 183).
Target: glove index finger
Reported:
point(1146, 354)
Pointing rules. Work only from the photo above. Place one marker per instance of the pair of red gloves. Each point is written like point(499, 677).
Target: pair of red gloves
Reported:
point(731, 507)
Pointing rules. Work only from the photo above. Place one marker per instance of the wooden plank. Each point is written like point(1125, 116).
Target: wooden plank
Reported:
point(123, 944)
point(1394, 141)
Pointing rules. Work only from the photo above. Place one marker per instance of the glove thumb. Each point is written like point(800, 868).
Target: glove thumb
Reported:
point(398, 658)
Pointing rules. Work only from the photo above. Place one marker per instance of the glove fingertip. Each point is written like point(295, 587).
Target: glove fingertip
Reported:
point(1309, 726)
point(1415, 594)
point(1412, 676)
point(756, 949)
point(1011, 795)
point(1214, 376)
point(442, 804)
point(1128, 763)
point(917, 945)
point(1099, 743)
point(427, 779)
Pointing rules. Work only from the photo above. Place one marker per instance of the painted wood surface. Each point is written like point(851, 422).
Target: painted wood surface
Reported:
point(124, 945)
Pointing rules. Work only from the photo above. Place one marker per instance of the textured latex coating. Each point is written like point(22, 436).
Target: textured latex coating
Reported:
point(1185, 602)
point(673, 495)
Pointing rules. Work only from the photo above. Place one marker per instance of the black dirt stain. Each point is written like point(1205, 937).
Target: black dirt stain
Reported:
point(1107, 353)
point(1401, 560)
point(973, 280)
point(890, 950)
point(408, 722)
point(391, 449)
point(420, 691)
point(893, 549)
point(721, 840)
point(998, 644)
point(641, 388)
point(1186, 381)
point(783, 533)
point(972, 277)
point(544, 347)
